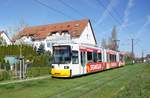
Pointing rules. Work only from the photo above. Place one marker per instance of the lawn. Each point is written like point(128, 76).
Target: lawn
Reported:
point(131, 81)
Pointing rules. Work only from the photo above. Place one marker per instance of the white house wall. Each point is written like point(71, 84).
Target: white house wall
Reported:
point(56, 38)
point(87, 36)
point(27, 40)
point(37, 43)
point(5, 37)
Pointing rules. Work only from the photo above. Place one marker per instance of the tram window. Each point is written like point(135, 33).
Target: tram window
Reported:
point(89, 56)
point(75, 58)
point(111, 59)
point(121, 58)
point(83, 59)
point(108, 57)
point(115, 58)
point(99, 57)
point(95, 57)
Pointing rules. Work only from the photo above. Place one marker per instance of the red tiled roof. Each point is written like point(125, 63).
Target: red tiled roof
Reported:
point(74, 28)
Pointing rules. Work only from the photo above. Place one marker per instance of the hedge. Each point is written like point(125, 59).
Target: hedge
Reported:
point(4, 75)
point(37, 71)
point(14, 50)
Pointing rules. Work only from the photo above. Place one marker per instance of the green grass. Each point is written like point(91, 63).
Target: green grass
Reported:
point(131, 81)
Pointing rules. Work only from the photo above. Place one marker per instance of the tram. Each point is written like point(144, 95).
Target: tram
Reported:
point(71, 60)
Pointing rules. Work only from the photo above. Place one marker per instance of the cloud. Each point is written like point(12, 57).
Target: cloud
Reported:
point(105, 13)
point(126, 14)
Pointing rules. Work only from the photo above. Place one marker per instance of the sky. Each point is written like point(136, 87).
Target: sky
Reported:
point(131, 18)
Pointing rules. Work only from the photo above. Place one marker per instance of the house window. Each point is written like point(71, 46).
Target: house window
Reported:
point(48, 44)
point(52, 33)
point(65, 31)
point(77, 25)
point(68, 25)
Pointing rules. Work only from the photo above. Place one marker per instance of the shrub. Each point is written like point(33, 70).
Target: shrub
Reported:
point(4, 75)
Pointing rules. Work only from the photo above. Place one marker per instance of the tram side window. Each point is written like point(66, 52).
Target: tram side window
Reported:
point(108, 57)
point(112, 58)
point(75, 58)
point(121, 58)
point(99, 57)
point(89, 56)
point(115, 58)
point(95, 57)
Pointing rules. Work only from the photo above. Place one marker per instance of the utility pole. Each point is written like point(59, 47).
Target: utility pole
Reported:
point(142, 56)
point(20, 59)
point(143, 52)
point(22, 68)
point(132, 50)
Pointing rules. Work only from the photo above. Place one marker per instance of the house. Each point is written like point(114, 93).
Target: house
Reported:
point(5, 39)
point(79, 31)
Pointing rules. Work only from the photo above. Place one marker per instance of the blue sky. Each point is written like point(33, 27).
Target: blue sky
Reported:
point(131, 17)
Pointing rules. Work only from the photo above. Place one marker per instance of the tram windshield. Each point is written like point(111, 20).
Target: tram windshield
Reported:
point(61, 54)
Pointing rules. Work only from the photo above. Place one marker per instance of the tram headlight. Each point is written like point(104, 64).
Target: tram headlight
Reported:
point(52, 66)
point(66, 67)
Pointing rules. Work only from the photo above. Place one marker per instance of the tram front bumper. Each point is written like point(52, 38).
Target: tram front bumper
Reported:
point(61, 72)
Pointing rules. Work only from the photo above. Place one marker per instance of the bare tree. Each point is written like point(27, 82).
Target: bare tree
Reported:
point(17, 29)
point(104, 43)
point(109, 43)
point(112, 41)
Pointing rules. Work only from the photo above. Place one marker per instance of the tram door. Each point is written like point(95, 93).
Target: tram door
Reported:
point(83, 61)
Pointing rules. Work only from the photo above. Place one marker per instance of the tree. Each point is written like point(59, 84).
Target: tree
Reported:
point(104, 43)
point(1, 40)
point(114, 39)
point(17, 28)
point(128, 58)
point(41, 49)
point(109, 44)
point(148, 55)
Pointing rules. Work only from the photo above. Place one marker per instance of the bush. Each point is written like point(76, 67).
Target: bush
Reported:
point(128, 60)
point(42, 60)
point(4, 75)
point(37, 71)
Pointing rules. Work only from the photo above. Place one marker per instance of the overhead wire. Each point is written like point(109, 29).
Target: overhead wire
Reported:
point(100, 3)
point(69, 6)
point(53, 9)
point(115, 11)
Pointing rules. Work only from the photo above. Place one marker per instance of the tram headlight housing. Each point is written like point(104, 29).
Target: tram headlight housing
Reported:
point(66, 67)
